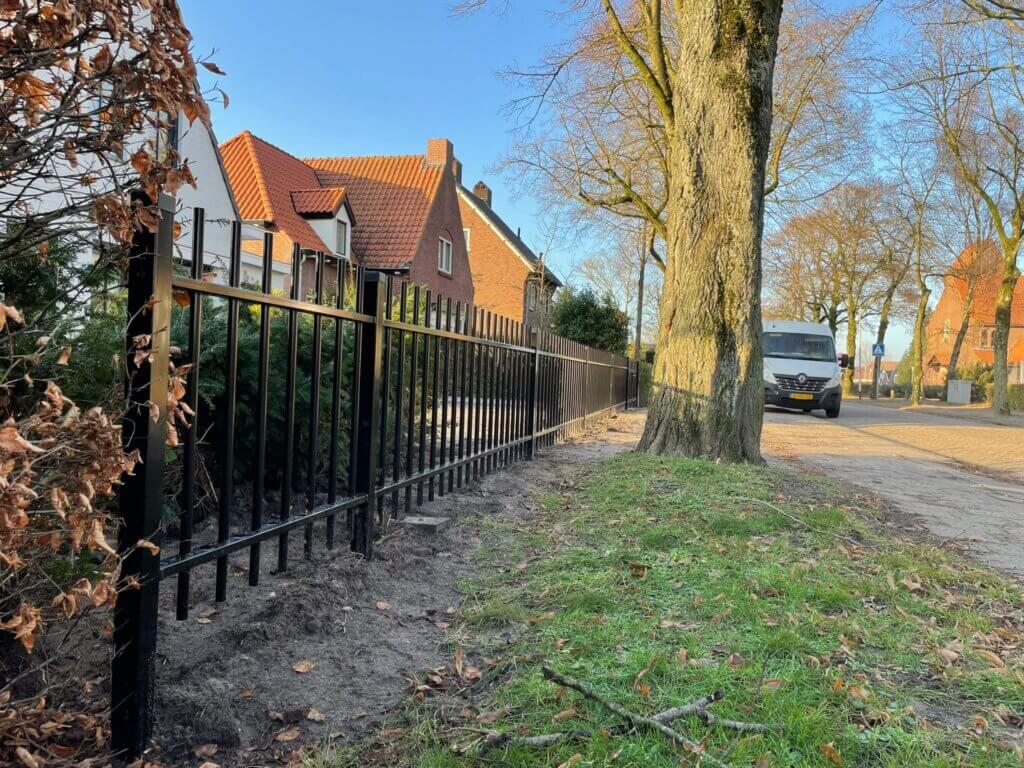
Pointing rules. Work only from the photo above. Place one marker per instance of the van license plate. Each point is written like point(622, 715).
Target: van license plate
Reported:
point(801, 396)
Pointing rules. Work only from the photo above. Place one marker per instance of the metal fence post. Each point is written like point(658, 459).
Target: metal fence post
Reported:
point(368, 424)
point(586, 387)
point(532, 401)
point(141, 495)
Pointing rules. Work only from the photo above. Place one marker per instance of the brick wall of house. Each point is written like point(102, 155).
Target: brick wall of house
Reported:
point(499, 274)
point(444, 221)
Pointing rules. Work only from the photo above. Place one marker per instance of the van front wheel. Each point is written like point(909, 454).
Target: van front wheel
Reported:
point(833, 413)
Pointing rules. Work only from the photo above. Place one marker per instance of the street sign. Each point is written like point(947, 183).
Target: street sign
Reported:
point(878, 350)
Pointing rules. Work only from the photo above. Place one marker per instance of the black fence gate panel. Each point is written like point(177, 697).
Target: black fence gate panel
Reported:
point(348, 402)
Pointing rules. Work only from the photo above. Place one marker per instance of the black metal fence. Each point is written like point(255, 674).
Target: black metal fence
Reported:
point(359, 399)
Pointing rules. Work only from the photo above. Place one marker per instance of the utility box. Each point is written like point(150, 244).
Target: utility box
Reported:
point(958, 391)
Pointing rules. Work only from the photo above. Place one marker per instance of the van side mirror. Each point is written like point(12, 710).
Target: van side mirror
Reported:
point(845, 361)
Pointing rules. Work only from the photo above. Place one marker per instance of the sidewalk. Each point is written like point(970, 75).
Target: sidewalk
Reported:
point(978, 412)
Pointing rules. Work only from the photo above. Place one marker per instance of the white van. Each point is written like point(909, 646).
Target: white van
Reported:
point(801, 369)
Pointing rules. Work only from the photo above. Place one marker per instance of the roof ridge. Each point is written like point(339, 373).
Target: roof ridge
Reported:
point(261, 181)
point(308, 160)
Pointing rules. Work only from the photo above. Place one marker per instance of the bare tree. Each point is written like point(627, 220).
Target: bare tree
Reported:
point(964, 82)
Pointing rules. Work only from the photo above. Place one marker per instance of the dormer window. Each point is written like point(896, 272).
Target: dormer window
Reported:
point(340, 247)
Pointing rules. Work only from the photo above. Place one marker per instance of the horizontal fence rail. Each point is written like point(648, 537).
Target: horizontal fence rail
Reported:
point(334, 404)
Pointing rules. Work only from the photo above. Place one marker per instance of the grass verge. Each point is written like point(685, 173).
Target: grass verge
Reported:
point(658, 581)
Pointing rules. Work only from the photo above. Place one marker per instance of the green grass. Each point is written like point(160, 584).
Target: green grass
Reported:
point(831, 641)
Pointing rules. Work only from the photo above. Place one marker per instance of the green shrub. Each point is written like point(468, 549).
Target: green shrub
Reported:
point(1015, 395)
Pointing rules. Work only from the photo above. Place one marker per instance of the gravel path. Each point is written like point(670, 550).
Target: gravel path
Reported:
point(963, 480)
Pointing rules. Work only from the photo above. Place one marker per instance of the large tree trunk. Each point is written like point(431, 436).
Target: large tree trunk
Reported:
point(883, 327)
point(852, 330)
point(708, 357)
point(961, 334)
point(1001, 333)
point(917, 346)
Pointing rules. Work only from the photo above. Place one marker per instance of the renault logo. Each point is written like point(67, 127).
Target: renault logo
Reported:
point(802, 378)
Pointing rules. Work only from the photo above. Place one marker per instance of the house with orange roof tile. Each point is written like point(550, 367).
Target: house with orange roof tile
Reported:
point(969, 294)
point(394, 214)
point(509, 278)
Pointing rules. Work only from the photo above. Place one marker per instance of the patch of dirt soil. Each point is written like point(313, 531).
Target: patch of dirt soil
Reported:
point(227, 677)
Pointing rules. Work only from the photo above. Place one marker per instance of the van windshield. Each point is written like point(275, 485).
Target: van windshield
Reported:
point(799, 346)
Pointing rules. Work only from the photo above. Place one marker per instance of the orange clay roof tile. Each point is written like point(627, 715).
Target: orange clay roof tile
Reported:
point(391, 197)
point(263, 178)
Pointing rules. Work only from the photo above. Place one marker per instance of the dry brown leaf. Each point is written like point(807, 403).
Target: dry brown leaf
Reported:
point(829, 750)
point(315, 715)
point(993, 659)
point(772, 684)
point(683, 657)
point(207, 764)
point(149, 546)
point(858, 692)
point(383, 605)
point(28, 759)
point(542, 617)
point(205, 750)
point(890, 579)
point(247, 693)
point(565, 714)
point(458, 660)
point(302, 667)
point(572, 761)
point(492, 717)
point(638, 570)
point(65, 356)
point(288, 734)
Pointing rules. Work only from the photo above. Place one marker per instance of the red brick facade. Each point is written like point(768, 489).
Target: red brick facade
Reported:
point(444, 220)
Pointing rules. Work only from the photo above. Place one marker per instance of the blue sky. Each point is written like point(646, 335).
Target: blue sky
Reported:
point(375, 78)
point(365, 78)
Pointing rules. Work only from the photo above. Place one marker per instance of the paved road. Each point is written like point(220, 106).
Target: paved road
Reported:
point(963, 479)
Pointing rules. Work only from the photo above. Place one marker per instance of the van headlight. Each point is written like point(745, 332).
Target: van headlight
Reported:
point(834, 381)
point(769, 377)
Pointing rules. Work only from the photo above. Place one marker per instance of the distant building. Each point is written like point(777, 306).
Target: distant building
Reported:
point(508, 277)
point(864, 374)
point(982, 263)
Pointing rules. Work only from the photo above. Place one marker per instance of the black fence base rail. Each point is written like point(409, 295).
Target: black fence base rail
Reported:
point(353, 398)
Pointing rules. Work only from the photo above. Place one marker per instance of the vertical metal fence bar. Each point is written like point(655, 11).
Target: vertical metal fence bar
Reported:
point(427, 340)
point(396, 438)
point(413, 376)
point(289, 409)
point(386, 373)
point(466, 348)
point(357, 366)
point(188, 481)
point(313, 442)
point(444, 395)
point(477, 387)
point(336, 373)
point(227, 486)
point(435, 394)
point(371, 396)
point(262, 408)
point(473, 392)
point(459, 353)
point(141, 495)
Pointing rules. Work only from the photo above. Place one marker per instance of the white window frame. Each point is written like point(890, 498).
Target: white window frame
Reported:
point(341, 237)
point(466, 236)
point(444, 256)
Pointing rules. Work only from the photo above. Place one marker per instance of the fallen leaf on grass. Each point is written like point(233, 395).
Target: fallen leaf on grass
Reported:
point(572, 761)
point(638, 570)
point(493, 716)
point(949, 655)
point(891, 581)
point(305, 666)
point(829, 750)
point(472, 674)
point(315, 715)
point(683, 657)
point(209, 765)
point(991, 658)
point(542, 617)
point(288, 734)
point(735, 661)
point(565, 714)
point(247, 693)
point(721, 615)
point(205, 750)
point(858, 692)
point(772, 684)
point(458, 660)
point(383, 605)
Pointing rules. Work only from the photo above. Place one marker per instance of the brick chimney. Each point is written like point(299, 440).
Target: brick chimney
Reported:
point(483, 192)
point(457, 170)
point(440, 152)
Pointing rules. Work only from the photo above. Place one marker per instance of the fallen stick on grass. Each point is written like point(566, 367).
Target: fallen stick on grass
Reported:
point(632, 717)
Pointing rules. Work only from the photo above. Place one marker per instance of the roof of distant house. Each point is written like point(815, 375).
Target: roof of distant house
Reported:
point(982, 264)
point(505, 232)
point(273, 186)
point(393, 196)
